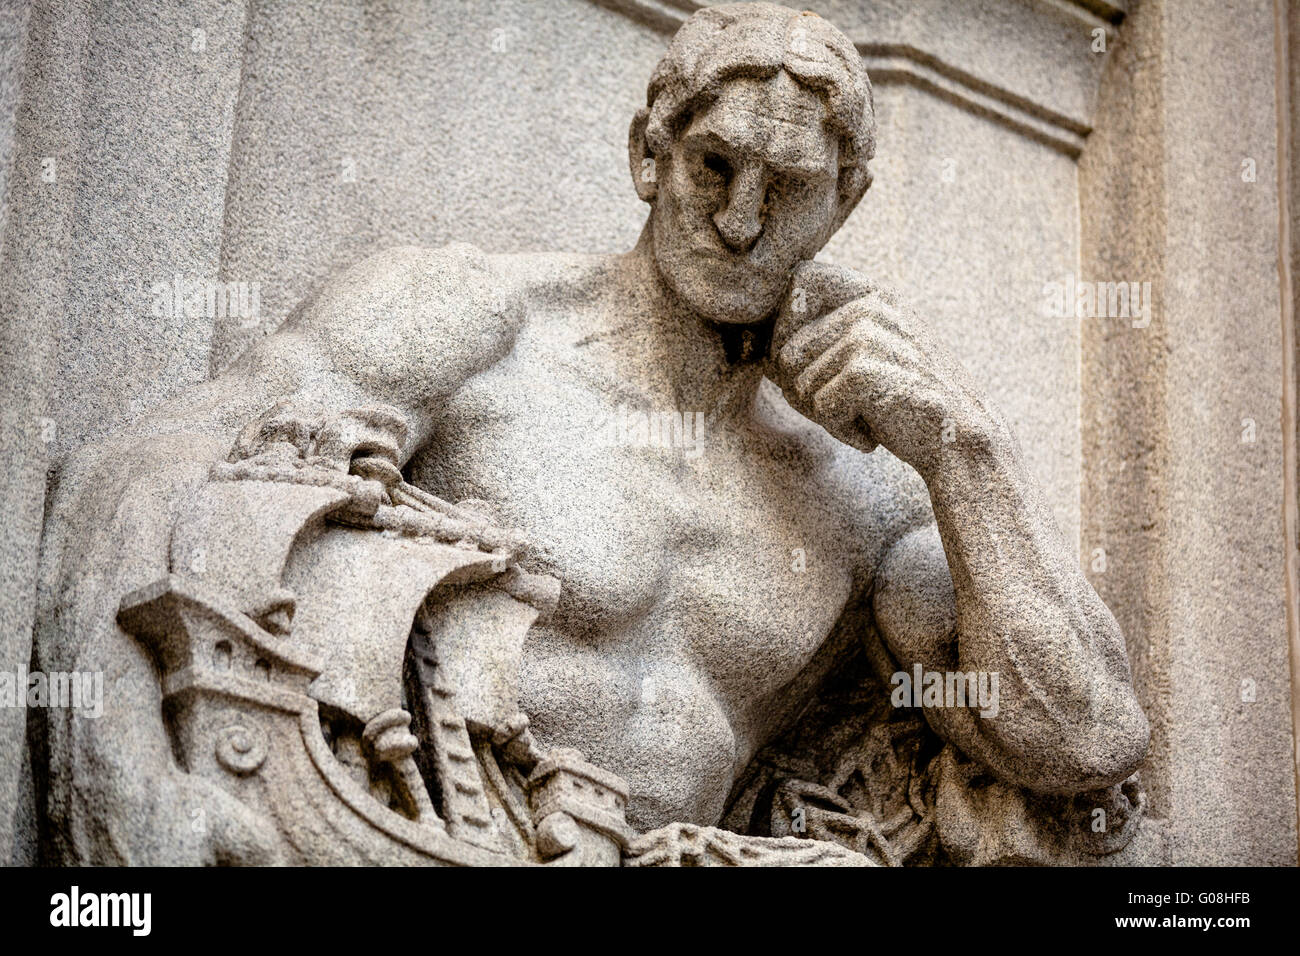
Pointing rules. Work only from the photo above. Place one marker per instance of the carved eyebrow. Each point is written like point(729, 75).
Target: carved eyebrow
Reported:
point(809, 172)
point(713, 138)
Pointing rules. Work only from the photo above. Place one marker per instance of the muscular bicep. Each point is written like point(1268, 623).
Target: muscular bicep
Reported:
point(915, 608)
point(914, 602)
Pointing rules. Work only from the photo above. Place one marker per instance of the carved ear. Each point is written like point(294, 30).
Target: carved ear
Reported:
point(640, 160)
point(853, 185)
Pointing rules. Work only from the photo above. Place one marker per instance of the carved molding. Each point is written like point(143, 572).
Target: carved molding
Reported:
point(903, 62)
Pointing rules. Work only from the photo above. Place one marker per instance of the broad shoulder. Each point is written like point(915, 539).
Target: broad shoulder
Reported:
point(457, 276)
point(416, 296)
point(411, 324)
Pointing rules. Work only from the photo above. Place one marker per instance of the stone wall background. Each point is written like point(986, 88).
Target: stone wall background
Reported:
point(268, 142)
point(1185, 424)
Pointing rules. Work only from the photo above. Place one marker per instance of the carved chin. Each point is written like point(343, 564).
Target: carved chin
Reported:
point(718, 291)
point(727, 305)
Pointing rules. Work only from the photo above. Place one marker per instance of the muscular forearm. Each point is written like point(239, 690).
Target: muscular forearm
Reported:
point(1067, 718)
point(869, 371)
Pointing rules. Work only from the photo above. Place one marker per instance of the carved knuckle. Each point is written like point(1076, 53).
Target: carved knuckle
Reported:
point(865, 330)
point(860, 372)
point(804, 383)
point(788, 358)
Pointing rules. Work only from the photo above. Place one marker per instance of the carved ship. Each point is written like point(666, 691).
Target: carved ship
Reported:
point(339, 651)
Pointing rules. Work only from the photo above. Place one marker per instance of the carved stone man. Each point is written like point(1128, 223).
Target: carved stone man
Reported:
point(696, 590)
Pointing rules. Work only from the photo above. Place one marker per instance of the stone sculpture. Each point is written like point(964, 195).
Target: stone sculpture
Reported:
point(668, 618)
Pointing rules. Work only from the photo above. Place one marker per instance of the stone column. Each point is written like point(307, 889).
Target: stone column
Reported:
point(115, 131)
point(1183, 428)
point(22, 474)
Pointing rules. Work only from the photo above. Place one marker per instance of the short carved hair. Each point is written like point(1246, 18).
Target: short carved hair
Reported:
point(717, 44)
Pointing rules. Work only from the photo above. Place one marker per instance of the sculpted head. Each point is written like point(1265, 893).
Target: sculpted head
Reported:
point(752, 150)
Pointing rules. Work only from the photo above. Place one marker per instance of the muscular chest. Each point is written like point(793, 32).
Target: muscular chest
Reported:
point(673, 533)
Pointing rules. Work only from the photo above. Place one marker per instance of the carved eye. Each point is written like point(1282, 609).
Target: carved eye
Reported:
point(716, 164)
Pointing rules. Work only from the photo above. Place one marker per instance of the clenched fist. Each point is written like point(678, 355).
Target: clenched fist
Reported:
point(851, 357)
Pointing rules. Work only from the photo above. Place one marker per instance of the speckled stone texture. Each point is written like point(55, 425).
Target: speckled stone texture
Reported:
point(1183, 420)
point(330, 159)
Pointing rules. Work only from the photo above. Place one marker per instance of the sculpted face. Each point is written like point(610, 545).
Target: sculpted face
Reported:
point(749, 191)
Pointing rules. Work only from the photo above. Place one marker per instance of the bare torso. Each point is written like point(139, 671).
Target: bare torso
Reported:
point(695, 587)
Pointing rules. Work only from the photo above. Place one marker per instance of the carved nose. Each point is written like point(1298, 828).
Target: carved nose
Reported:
point(740, 223)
